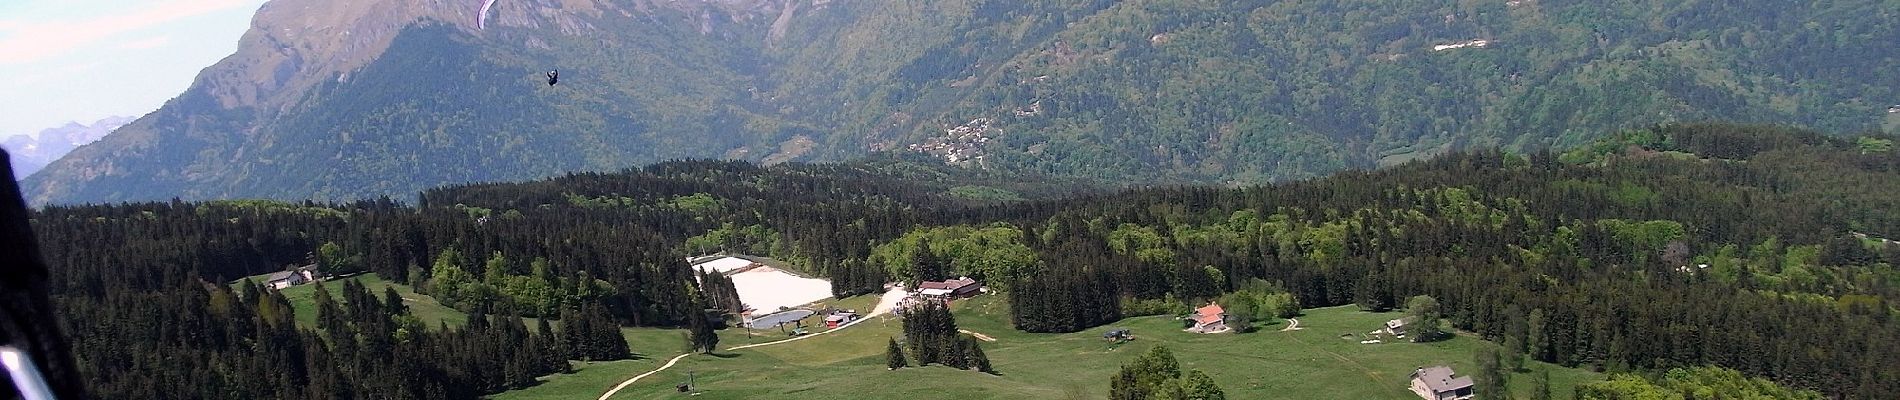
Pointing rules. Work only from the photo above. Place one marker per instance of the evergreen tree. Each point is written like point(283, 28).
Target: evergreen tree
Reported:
point(393, 302)
point(1489, 383)
point(704, 339)
point(926, 265)
point(1540, 385)
point(978, 360)
point(1196, 385)
point(1534, 336)
point(931, 333)
point(894, 356)
point(1374, 293)
point(553, 356)
point(609, 344)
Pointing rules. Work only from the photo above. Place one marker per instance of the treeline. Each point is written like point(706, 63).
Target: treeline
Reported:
point(1753, 248)
point(1661, 248)
point(215, 342)
point(138, 285)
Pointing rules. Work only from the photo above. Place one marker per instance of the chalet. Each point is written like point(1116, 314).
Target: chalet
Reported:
point(284, 279)
point(1440, 383)
point(1396, 327)
point(1208, 319)
point(951, 289)
point(1893, 109)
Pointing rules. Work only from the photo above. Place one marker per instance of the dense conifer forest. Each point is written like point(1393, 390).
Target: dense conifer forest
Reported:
point(1758, 249)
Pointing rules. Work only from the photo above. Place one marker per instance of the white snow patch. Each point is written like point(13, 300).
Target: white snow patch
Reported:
point(766, 289)
point(1460, 45)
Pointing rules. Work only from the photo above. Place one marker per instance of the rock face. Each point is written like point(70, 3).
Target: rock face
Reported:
point(249, 114)
point(343, 99)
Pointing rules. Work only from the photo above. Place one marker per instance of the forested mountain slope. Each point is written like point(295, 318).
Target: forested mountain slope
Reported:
point(1641, 252)
point(352, 99)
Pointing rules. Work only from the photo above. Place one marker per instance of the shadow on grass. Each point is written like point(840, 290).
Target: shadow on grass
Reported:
point(726, 355)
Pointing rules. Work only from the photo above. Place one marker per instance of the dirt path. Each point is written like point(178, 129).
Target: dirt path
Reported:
point(669, 363)
point(1293, 324)
point(623, 384)
point(889, 302)
point(978, 336)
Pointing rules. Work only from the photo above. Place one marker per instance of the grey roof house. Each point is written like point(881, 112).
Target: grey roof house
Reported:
point(1438, 382)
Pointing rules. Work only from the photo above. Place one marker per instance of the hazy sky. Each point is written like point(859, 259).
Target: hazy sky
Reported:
point(82, 60)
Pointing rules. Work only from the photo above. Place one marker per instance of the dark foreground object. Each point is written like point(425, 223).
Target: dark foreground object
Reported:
point(26, 315)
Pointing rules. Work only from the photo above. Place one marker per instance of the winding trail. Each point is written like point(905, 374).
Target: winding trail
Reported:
point(880, 310)
point(623, 384)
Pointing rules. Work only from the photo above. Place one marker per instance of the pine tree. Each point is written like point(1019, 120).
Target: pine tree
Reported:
point(1540, 385)
point(1196, 385)
point(978, 360)
point(1489, 383)
point(553, 355)
point(608, 342)
point(931, 333)
point(1534, 338)
point(958, 353)
point(894, 356)
point(704, 339)
point(926, 265)
point(393, 301)
point(574, 329)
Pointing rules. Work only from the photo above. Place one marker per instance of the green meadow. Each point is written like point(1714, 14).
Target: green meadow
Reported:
point(1313, 362)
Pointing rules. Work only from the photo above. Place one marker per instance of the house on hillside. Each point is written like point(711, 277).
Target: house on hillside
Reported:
point(284, 279)
point(1208, 319)
point(1396, 327)
point(1440, 383)
point(951, 289)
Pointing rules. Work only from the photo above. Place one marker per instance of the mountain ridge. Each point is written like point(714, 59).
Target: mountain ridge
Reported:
point(30, 153)
point(1130, 91)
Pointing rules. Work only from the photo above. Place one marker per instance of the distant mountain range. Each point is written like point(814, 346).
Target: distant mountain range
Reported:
point(30, 153)
point(353, 98)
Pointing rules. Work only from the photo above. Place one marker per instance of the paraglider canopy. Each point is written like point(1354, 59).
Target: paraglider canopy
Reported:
point(554, 77)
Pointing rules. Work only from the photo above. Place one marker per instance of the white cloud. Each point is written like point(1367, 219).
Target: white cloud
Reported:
point(146, 43)
point(24, 41)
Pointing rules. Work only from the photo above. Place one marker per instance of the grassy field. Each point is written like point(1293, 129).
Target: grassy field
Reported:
point(421, 305)
point(1310, 363)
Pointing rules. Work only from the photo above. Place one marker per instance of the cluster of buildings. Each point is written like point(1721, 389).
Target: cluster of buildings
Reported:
point(942, 291)
point(959, 288)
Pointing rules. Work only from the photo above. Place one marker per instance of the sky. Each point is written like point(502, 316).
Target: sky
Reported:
point(83, 60)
